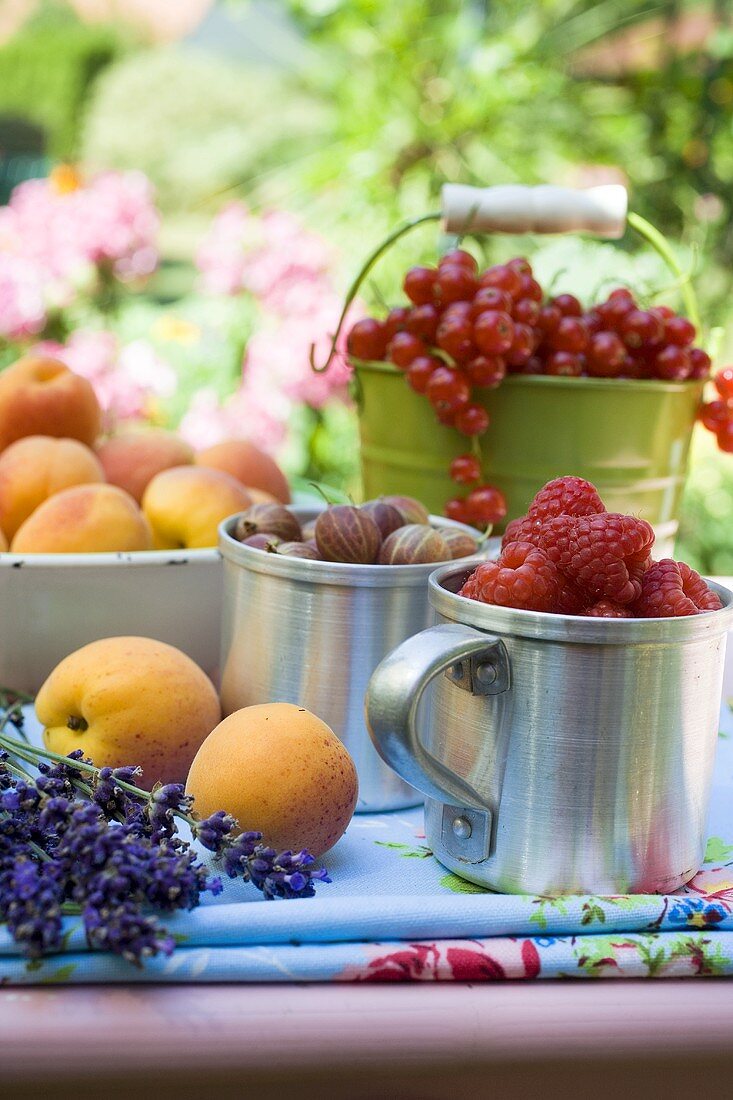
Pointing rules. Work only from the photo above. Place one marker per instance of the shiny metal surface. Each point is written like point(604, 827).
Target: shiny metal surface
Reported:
point(593, 766)
point(311, 633)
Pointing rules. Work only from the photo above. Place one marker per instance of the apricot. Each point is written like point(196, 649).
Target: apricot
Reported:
point(41, 396)
point(87, 519)
point(253, 467)
point(129, 700)
point(185, 505)
point(34, 468)
point(279, 770)
point(133, 458)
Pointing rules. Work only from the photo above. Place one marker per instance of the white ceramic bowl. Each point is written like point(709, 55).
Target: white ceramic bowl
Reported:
point(51, 604)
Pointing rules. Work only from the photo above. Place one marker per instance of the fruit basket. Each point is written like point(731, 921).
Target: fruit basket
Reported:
point(498, 388)
point(59, 602)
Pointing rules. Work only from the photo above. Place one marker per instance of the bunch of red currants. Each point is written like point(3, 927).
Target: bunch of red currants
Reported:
point(717, 415)
point(467, 329)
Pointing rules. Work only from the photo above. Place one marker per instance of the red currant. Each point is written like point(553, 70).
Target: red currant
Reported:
point(455, 283)
point(486, 505)
point(472, 420)
point(568, 305)
point(486, 370)
point(549, 318)
point(533, 365)
point(641, 327)
point(593, 322)
point(457, 309)
point(679, 331)
point(419, 284)
point(700, 363)
point(403, 348)
point(672, 363)
point(455, 336)
point(491, 297)
point(520, 265)
point(724, 382)
point(460, 258)
point(395, 321)
point(522, 347)
point(715, 413)
point(493, 332)
point(420, 371)
point(724, 435)
point(606, 355)
point(448, 390)
point(564, 364)
point(503, 276)
point(422, 321)
point(530, 288)
point(465, 469)
point(570, 335)
point(456, 509)
point(367, 340)
point(526, 311)
point(614, 309)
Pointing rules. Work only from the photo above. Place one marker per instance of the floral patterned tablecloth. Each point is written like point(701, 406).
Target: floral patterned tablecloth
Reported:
point(393, 913)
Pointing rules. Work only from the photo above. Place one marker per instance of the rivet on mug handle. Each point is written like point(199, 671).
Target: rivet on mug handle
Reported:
point(394, 693)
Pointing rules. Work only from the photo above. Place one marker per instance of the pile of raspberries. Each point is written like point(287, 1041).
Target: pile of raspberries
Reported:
point(570, 556)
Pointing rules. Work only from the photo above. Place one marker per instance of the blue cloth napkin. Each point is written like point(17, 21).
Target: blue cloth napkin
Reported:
point(393, 913)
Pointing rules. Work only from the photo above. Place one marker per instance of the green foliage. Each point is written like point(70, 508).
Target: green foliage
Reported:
point(706, 529)
point(46, 72)
point(202, 125)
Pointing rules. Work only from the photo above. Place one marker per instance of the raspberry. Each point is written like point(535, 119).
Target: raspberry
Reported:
point(608, 609)
point(605, 554)
point(670, 588)
point(522, 577)
point(571, 600)
point(520, 530)
point(566, 496)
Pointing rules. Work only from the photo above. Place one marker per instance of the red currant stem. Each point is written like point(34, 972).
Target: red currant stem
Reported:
point(660, 244)
point(361, 276)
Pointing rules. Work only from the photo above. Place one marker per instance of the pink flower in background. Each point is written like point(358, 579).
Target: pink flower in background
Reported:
point(286, 269)
point(261, 255)
point(128, 379)
point(57, 234)
point(22, 307)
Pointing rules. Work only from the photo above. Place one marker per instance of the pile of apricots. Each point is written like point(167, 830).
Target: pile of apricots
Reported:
point(65, 488)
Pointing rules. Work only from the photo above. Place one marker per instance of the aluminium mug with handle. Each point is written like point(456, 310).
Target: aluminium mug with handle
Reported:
point(312, 633)
point(558, 754)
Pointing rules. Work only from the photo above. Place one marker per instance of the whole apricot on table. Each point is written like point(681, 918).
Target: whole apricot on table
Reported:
point(88, 519)
point(250, 465)
point(35, 468)
point(279, 770)
point(41, 396)
point(185, 506)
point(129, 700)
point(133, 458)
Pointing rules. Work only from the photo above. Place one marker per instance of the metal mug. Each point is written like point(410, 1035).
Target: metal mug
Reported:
point(312, 633)
point(559, 754)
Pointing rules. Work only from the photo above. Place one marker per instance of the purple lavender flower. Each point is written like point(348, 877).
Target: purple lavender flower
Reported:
point(117, 856)
point(31, 895)
point(213, 832)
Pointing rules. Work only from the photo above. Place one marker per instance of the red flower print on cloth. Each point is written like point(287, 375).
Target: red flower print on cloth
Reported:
point(451, 961)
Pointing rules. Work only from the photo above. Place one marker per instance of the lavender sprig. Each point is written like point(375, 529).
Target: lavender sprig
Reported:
point(89, 840)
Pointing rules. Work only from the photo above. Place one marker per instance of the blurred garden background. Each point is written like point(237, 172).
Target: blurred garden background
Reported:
point(188, 188)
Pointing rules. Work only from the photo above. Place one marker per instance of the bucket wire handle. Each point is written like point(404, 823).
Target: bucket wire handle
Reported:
point(397, 686)
point(517, 209)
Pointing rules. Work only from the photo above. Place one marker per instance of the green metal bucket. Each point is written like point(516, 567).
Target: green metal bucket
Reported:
point(630, 438)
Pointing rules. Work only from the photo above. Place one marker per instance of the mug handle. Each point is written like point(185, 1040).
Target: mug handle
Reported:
point(478, 662)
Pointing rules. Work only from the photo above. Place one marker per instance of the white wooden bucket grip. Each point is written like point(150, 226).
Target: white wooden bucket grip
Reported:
point(545, 209)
